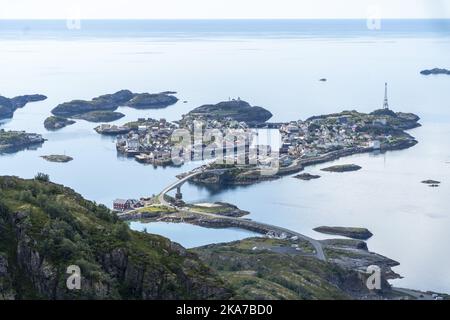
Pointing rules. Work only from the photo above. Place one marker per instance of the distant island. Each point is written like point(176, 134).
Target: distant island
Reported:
point(435, 71)
point(12, 141)
point(432, 183)
point(57, 158)
point(9, 105)
point(102, 108)
point(110, 102)
point(342, 168)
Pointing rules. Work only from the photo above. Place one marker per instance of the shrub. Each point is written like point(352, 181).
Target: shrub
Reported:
point(42, 177)
point(121, 232)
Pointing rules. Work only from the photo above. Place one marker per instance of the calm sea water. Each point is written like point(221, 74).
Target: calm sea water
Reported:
point(273, 64)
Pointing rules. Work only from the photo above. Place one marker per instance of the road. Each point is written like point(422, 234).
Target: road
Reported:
point(180, 182)
point(239, 222)
point(252, 225)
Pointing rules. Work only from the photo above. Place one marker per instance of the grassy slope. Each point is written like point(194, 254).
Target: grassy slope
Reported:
point(262, 274)
point(65, 229)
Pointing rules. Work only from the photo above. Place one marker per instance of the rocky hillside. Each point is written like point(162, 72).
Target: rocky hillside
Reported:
point(44, 228)
point(262, 268)
point(238, 110)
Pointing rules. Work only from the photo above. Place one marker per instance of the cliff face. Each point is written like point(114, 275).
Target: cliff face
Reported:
point(44, 228)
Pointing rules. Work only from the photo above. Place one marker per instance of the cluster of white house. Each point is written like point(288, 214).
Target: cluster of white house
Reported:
point(321, 135)
point(150, 138)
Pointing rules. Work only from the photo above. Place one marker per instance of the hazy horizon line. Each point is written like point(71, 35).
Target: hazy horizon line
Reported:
point(211, 19)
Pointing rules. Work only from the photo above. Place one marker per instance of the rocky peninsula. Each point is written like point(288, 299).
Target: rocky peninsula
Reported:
point(271, 268)
point(13, 141)
point(354, 233)
point(9, 105)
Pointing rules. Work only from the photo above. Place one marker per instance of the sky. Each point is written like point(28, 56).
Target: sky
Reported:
point(223, 9)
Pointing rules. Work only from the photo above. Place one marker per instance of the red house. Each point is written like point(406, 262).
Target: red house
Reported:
point(123, 205)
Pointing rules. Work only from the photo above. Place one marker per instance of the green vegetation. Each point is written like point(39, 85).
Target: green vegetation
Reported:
point(42, 177)
point(55, 123)
point(263, 274)
point(100, 116)
point(16, 140)
point(219, 208)
point(351, 232)
point(46, 227)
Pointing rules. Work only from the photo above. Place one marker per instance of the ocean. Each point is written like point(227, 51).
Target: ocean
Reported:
point(270, 63)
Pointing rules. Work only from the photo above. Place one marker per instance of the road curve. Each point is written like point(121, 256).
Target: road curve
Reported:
point(241, 222)
point(268, 227)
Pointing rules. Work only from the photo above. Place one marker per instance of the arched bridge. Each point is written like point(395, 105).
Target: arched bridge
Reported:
point(177, 184)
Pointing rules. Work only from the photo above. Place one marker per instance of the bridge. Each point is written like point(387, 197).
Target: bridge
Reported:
point(178, 184)
point(251, 225)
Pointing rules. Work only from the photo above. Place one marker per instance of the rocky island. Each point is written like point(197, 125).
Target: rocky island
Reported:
point(100, 116)
point(435, 71)
point(321, 139)
point(57, 158)
point(55, 123)
point(306, 176)
point(9, 105)
point(12, 141)
point(100, 109)
point(236, 109)
point(354, 233)
point(342, 168)
point(431, 181)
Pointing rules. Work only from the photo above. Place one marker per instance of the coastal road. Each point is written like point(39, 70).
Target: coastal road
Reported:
point(255, 225)
point(238, 222)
